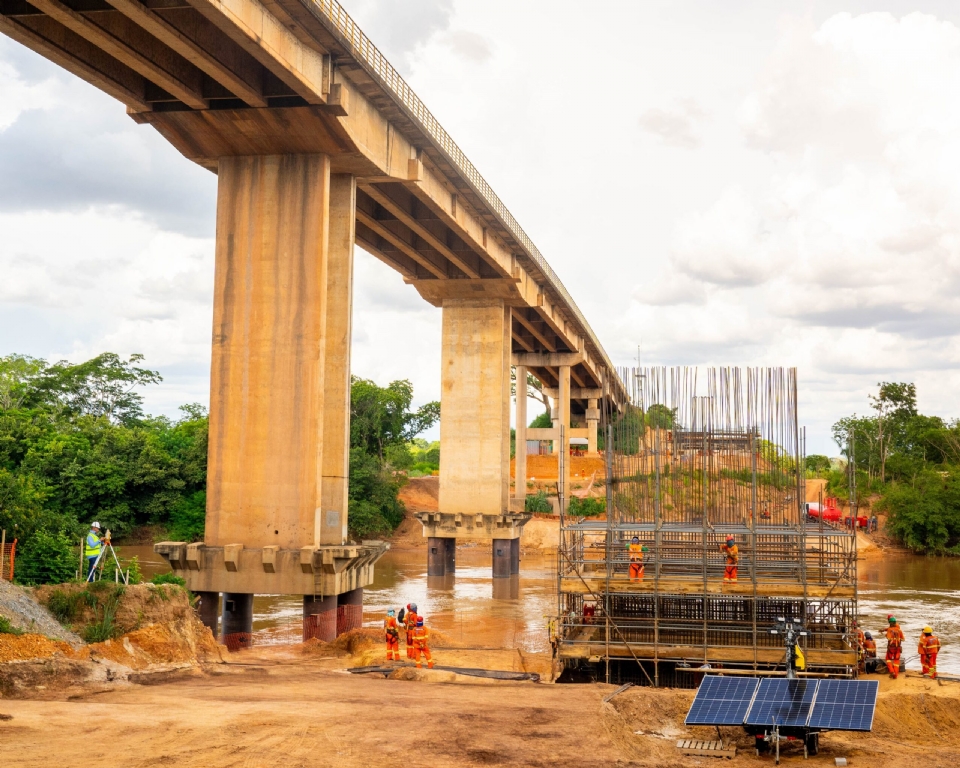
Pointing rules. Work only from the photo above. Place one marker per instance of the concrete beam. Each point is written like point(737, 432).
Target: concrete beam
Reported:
point(438, 291)
point(547, 359)
point(576, 393)
point(472, 527)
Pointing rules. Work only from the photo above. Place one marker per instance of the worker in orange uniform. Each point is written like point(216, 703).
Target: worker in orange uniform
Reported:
point(636, 550)
point(421, 644)
point(928, 649)
point(894, 646)
point(392, 631)
point(860, 640)
point(733, 558)
point(410, 624)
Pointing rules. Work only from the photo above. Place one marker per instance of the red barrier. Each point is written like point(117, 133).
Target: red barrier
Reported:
point(8, 557)
point(322, 626)
point(238, 641)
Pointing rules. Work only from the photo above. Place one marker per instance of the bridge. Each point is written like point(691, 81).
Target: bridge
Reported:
point(319, 144)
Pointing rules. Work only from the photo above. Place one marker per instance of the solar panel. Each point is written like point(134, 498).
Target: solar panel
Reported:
point(722, 700)
point(845, 705)
point(782, 702)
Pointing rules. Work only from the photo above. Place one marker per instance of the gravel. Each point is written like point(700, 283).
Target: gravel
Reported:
point(23, 612)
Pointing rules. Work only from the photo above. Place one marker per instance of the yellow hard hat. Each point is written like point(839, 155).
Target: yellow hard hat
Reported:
point(928, 630)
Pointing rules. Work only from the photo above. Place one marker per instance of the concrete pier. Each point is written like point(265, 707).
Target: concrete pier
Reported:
point(237, 620)
point(441, 556)
point(209, 610)
point(320, 617)
point(506, 558)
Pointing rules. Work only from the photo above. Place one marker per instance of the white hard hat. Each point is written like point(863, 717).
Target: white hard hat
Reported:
point(94, 525)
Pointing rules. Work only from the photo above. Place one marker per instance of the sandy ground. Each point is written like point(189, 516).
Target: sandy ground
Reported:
point(298, 707)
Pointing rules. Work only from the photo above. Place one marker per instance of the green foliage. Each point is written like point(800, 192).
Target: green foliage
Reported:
point(381, 416)
point(103, 627)
point(75, 446)
point(6, 628)
point(132, 566)
point(66, 606)
point(660, 416)
point(47, 557)
point(543, 421)
point(817, 464)
point(925, 513)
point(588, 507)
point(375, 509)
point(168, 578)
point(187, 518)
point(538, 502)
point(628, 430)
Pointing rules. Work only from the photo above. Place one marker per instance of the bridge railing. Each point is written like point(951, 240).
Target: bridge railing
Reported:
point(367, 54)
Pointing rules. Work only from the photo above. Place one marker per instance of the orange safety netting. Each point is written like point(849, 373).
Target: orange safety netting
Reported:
point(322, 626)
point(8, 557)
point(237, 641)
point(349, 617)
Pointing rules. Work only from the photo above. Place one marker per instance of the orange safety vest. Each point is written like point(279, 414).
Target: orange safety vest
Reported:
point(390, 626)
point(421, 637)
point(636, 552)
point(928, 644)
point(732, 553)
point(894, 636)
point(410, 621)
point(870, 648)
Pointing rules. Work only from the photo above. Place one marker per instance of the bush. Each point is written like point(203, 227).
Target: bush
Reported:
point(47, 557)
point(168, 578)
point(103, 627)
point(188, 517)
point(925, 515)
point(538, 502)
point(588, 507)
point(6, 628)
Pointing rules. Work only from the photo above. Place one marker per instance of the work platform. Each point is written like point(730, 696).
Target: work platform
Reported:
point(704, 470)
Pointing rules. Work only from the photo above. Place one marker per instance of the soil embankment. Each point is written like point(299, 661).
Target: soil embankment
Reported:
point(135, 632)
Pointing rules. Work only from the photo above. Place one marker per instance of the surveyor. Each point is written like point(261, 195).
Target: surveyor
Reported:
point(733, 558)
point(92, 548)
point(636, 559)
point(421, 643)
point(410, 624)
point(928, 649)
point(894, 646)
point(392, 632)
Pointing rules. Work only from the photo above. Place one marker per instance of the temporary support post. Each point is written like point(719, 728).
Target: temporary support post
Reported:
point(441, 556)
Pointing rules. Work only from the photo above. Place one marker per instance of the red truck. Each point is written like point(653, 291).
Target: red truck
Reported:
point(830, 511)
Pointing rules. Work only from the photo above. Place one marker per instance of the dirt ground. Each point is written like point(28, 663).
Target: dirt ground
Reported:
point(297, 706)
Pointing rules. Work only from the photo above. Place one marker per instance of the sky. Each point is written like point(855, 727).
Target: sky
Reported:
point(738, 183)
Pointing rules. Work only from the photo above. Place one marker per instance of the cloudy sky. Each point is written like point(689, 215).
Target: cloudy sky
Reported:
point(741, 183)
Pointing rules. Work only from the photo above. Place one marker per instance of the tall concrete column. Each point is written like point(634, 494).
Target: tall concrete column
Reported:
point(267, 372)
point(475, 407)
point(506, 558)
point(593, 420)
point(520, 443)
point(563, 407)
point(236, 622)
point(209, 610)
point(331, 524)
point(320, 617)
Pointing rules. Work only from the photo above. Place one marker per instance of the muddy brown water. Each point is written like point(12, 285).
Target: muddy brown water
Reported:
point(917, 590)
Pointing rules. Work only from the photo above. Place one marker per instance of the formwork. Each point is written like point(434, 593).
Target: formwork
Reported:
point(692, 458)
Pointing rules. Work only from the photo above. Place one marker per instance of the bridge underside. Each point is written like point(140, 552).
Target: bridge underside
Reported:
point(318, 144)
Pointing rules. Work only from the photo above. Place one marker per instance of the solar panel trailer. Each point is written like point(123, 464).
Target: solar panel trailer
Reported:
point(772, 709)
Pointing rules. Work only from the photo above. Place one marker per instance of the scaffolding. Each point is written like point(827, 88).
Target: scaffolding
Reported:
point(686, 468)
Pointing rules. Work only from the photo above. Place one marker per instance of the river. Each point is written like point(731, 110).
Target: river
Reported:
point(917, 590)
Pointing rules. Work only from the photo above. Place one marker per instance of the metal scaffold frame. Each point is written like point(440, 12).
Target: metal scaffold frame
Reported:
point(686, 468)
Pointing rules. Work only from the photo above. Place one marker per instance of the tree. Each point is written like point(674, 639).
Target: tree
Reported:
point(534, 388)
point(381, 416)
point(895, 404)
point(543, 421)
point(817, 464)
point(17, 372)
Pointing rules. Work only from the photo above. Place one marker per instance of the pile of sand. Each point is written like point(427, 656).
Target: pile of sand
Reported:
point(22, 647)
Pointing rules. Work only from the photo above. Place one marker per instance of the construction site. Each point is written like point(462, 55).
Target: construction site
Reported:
point(698, 460)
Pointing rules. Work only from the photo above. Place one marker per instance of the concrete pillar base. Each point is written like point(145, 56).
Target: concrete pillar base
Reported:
point(320, 618)
point(349, 610)
point(237, 620)
point(442, 583)
point(441, 556)
point(209, 610)
point(506, 558)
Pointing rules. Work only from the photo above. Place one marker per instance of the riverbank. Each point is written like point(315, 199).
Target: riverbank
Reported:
point(297, 706)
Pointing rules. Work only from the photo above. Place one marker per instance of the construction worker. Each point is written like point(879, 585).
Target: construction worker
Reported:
point(392, 632)
point(869, 646)
point(928, 649)
point(92, 548)
point(410, 624)
point(860, 640)
point(894, 646)
point(636, 550)
point(421, 643)
point(733, 558)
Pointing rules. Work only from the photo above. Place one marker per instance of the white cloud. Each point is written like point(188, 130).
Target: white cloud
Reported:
point(674, 127)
